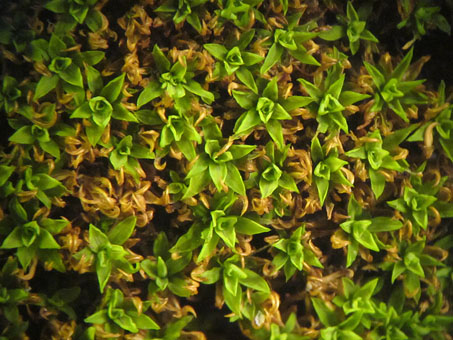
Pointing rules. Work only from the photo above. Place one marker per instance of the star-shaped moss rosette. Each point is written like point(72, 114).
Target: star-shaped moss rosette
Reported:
point(214, 226)
point(183, 10)
point(34, 182)
point(125, 155)
point(414, 205)
point(40, 132)
point(272, 177)
point(412, 262)
point(337, 326)
point(104, 104)
point(120, 313)
point(326, 169)
point(13, 294)
point(9, 94)
point(32, 238)
point(393, 320)
point(61, 301)
point(289, 39)
point(64, 65)
point(175, 81)
point(177, 131)
point(242, 13)
point(292, 253)
point(419, 201)
point(15, 33)
point(235, 59)
point(376, 158)
point(358, 300)
point(105, 250)
point(353, 26)
point(393, 88)
point(231, 278)
point(439, 130)
point(266, 108)
point(75, 12)
point(329, 100)
point(217, 163)
point(362, 230)
point(166, 272)
point(421, 17)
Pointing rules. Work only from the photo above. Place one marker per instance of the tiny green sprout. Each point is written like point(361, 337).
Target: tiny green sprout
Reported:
point(6, 185)
point(335, 328)
point(217, 163)
point(266, 108)
point(327, 169)
point(432, 188)
point(292, 253)
point(61, 301)
point(392, 323)
point(75, 12)
point(422, 16)
point(10, 299)
point(104, 105)
point(241, 13)
point(177, 187)
point(232, 277)
point(414, 206)
point(215, 225)
point(224, 227)
point(393, 91)
point(15, 31)
point(181, 132)
point(174, 80)
point(45, 186)
point(411, 262)
point(420, 199)
point(352, 26)
point(329, 100)
point(183, 10)
point(13, 295)
point(440, 130)
point(125, 155)
point(177, 131)
point(376, 157)
point(107, 251)
point(362, 229)
point(33, 134)
point(9, 94)
point(356, 301)
point(289, 39)
point(236, 60)
point(272, 177)
point(165, 271)
point(33, 237)
point(120, 313)
point(64, 63)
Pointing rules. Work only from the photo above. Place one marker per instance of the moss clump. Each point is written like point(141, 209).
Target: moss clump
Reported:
point(213, 169)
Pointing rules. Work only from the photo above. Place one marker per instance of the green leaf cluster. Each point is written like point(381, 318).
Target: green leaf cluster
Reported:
point(120, 313)
point(106, 252)
point(326, 169)
point(393, 90)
